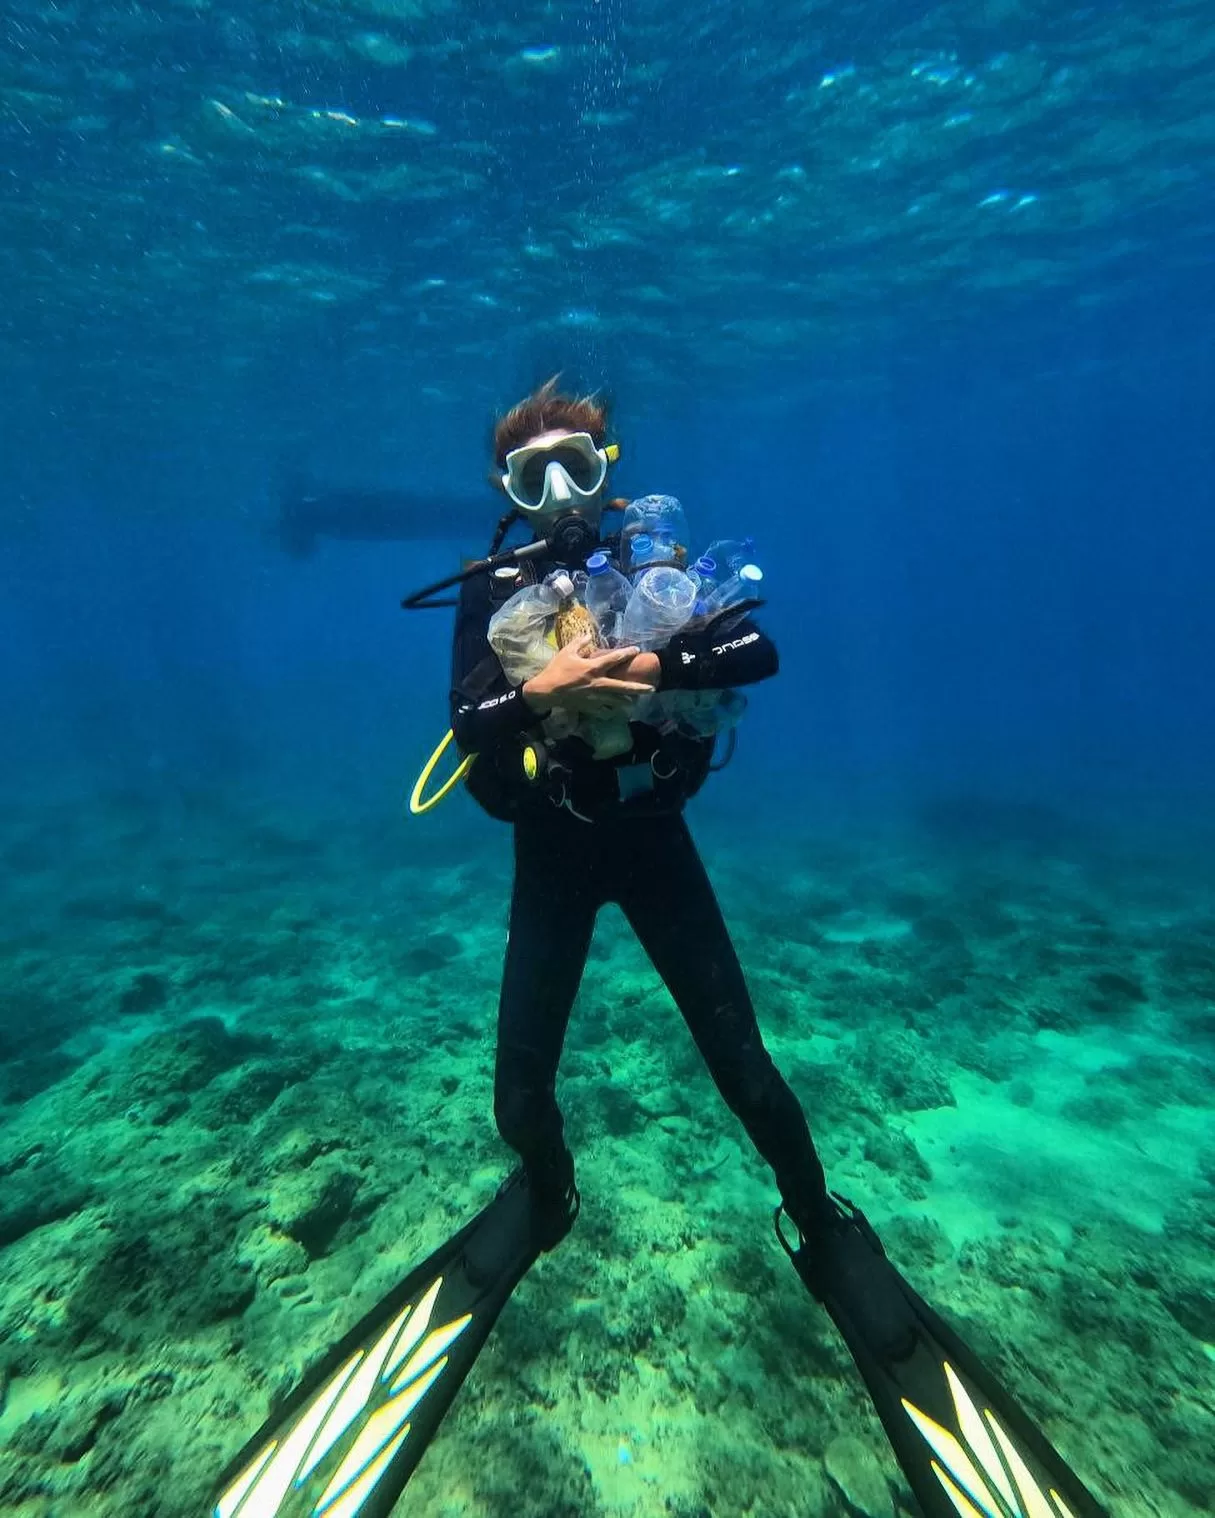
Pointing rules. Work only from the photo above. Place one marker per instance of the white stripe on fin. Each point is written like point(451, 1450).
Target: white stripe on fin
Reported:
point(273, 1482)
point(353, 1498)
point(357, 1394)
point(386, 1426)
point(227, 1504)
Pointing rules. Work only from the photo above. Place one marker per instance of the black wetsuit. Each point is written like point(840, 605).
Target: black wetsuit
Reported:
point(596, 831)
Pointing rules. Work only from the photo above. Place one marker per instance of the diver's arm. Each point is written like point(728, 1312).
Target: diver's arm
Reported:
point(730, 653)
point(486, 708)
point(482, 724)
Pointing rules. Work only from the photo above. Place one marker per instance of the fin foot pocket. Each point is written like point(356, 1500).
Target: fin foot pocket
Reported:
point(966, 1448)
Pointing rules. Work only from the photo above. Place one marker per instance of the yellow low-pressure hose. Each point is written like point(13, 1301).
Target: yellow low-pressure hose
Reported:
point(416, 804)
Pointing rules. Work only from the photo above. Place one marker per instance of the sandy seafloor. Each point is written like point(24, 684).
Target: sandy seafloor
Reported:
point(246, 1082)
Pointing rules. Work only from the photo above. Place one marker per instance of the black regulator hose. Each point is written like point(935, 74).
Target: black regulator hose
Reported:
point(571, 540)
point(423, 600)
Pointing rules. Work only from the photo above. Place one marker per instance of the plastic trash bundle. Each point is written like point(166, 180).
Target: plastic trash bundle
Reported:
point(643, 607)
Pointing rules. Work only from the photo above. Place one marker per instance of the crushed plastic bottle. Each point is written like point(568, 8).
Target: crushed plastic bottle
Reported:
point(662, 521)
point(744, 585)
point(662, 601)
point(730, 554)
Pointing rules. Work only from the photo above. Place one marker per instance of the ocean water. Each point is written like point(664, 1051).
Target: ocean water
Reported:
point(920, 296)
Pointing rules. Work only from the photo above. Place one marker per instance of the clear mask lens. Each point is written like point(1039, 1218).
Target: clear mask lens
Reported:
point(583, 466)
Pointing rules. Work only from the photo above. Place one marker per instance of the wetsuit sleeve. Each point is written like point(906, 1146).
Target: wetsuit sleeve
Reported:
point(485, 707)
point(732, 652)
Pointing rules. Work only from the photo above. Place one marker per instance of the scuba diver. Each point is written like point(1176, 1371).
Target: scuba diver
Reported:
point(589, 831)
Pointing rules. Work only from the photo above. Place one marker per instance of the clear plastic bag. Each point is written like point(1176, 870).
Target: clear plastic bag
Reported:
point(520, 632)
point(697, 713)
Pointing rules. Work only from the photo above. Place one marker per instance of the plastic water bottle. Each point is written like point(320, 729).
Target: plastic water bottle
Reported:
point(638, 552)
point(606, 594)
point(572, 620)
point(661, 603)
point(662, 518)
point(704, 573)
point(744, 585)
point(730, 554)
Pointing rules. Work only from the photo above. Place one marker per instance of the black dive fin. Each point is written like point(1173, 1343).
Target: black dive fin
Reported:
point(352, 1434)
point(966, 1448)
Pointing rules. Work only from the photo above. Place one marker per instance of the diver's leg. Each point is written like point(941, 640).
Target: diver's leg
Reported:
point(552, 917)
point(963, 1442)
point(662, 886)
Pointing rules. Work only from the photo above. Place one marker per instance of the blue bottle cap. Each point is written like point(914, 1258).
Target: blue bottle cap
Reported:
point(596, 564)
point(642, 543)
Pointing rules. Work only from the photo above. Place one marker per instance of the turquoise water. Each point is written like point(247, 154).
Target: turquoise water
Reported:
point(917, 294)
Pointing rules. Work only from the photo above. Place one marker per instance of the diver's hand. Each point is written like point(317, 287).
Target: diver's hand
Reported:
point(577, 680)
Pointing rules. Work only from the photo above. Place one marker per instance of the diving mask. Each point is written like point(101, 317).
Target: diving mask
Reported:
point(544, 479)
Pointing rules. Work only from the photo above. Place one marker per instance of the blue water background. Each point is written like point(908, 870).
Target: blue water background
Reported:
point(920, 296)
point(989, 572)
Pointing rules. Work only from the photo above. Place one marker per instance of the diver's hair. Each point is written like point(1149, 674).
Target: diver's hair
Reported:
point(543, 411)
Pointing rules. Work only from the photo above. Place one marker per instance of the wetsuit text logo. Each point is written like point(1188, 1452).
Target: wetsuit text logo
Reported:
point(725, 648)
